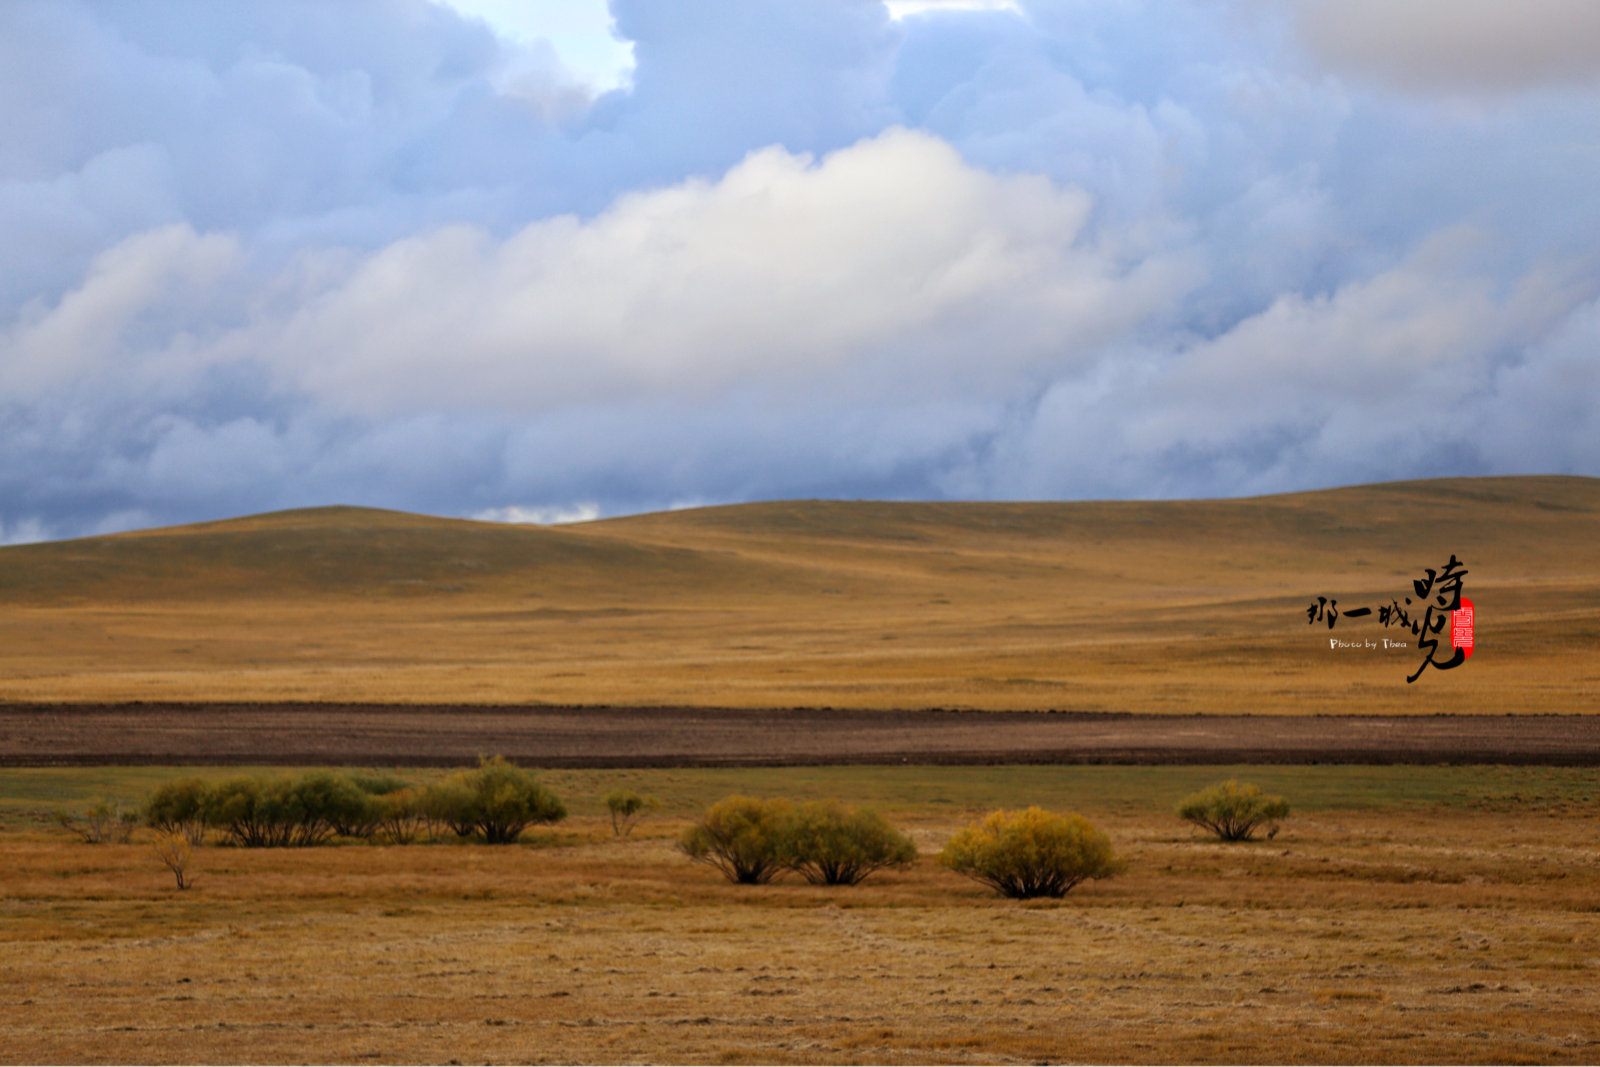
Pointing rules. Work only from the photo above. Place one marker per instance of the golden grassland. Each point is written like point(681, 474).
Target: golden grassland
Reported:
point(1401, 915)
point(1182, 607)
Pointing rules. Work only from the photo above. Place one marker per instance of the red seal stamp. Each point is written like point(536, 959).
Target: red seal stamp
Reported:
point(1461, 627)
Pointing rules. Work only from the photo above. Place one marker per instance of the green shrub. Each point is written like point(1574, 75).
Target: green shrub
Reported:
point(399, 815)
point(376, 811)
point(178, 807)
point(1233, 810)
point(742, 837)
point(1032, 853)
point(627, 808)
point(828, 844)
point(446, 805)
point(379, 784)
point(250, 812)
point(322, 804)
point(496, 801)
point(283, 812)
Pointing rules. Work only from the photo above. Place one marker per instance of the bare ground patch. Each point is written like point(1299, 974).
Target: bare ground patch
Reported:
point(412, 735)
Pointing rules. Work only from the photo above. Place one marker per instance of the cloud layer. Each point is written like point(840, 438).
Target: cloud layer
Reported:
point(279, 255)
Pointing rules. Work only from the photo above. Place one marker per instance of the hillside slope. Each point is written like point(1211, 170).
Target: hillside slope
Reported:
point(1181, 606)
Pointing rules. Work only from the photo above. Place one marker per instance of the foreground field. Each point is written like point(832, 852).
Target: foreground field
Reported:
point(1403, 915)
point(1154, 607)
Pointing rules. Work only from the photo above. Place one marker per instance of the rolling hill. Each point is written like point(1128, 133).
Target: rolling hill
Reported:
point(1173, 606)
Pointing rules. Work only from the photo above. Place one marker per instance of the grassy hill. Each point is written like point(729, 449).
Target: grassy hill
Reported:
point(1185, 606)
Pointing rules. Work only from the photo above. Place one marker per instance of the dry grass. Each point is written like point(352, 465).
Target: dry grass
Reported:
point(1169, 606)
point(1396, 932)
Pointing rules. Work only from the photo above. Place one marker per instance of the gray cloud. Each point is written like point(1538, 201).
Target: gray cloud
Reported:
point(1456, 45)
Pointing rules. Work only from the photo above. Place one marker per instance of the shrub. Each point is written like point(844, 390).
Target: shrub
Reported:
point(178, 807)
point(1032, 853)
point(1233, 810)
point(251, 812)
point(443, 806)
point(379, 785)
point(284, 812)
point(321, 804)
point(829, 844)
point(495, 801)
point(399, 815)
point(176, 851)
point(627, 808)
point(370, 809)
point(742, 837)
point(105, 821)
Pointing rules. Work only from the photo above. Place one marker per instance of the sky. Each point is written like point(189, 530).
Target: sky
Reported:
point(553, 260)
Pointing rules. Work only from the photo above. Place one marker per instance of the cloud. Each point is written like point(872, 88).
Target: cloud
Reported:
point(133, 315)
point(899, 9)
point(885, 256)
point(289, 254)
point(541, 516)
point(1456, 45)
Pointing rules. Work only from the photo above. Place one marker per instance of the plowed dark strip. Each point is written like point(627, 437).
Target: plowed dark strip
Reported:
point(408, 735)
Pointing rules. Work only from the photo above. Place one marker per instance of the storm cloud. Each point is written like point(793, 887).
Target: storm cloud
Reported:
point(278, 255)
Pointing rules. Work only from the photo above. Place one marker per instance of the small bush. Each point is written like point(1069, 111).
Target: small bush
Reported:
point(496, 801)
point(251, 812)
point(627, 808)
point(105, 821)
point(444, 805)
point(1032, 853)
point(1233, 810)
point(828, 844)
point(178, 807)
point(372, 809)
point(378, 784)
point(321, 804)
point(742, 837)
point(399, 815)
point(175, 851)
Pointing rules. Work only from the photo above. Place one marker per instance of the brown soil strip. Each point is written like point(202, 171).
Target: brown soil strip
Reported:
point(409, 735)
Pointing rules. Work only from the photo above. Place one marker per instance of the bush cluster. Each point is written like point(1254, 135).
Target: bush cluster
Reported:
point(494, 802)
point(1020, 854)
point(1032, 853)
point(753, 841)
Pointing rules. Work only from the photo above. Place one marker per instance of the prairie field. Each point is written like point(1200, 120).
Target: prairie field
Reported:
point(1152, 607)
point(1402, 914)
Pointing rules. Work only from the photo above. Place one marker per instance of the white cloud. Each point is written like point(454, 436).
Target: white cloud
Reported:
point(540, 516)
point(135, 315)
point(892, 263)
point(899, 9)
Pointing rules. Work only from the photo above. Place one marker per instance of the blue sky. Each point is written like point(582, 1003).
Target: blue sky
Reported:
point(552, 260)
